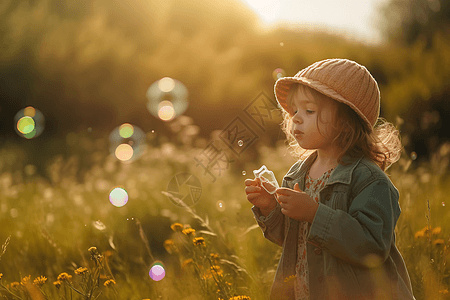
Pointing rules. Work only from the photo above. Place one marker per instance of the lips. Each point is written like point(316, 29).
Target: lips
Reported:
point(297, 132)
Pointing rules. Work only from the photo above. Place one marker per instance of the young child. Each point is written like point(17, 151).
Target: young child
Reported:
point(336, 211)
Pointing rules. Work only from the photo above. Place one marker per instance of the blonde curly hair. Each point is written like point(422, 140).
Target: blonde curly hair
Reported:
point(381, 143)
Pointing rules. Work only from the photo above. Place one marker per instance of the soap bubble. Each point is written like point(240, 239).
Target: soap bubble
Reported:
point(413, 155)
point(29, 122)
point(240, 143)
point(278, 73)
point(220, 205)
point(244, 173)
point(157, 271)
point(118, 197)
point(167, 99)
point(127, 142)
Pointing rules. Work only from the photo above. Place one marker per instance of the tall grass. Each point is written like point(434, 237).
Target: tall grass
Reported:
point(50, 223)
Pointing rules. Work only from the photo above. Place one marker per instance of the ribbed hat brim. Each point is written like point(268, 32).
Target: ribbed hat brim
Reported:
point(282, 87)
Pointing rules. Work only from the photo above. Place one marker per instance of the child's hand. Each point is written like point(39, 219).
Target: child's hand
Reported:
point(297, 204)
point(258, 196)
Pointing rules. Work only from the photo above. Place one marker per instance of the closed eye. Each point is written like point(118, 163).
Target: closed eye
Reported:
point(308, 111)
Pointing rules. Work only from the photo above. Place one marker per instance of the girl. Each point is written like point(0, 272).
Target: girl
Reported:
point(336, 211)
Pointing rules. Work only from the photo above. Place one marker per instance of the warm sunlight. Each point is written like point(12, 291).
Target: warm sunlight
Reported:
point(352, 17)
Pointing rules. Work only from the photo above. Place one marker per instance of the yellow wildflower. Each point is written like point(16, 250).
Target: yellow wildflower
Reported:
point(81, 271)
point(187, 262)
point(177, 227)
point(170, 246)
point(24, 280)
point(421, 233)
point(39, 281)
point(189, 231)
point(64, 276)
point(1, 274)
point(199, 241)
point(438, 242)
point(15, 285)
point(215, 258)
point(93, 250)
point(57, 284)
point(287, 279)
point(436, 230)
point(109, 282)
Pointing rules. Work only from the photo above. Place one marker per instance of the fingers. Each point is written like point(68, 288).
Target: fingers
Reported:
point(282, 199)
point(251, 182)
point(253, 189)
point(284, 191)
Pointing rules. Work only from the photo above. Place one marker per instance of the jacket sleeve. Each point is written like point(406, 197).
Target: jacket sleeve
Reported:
point(273, 226)
point(364, 234)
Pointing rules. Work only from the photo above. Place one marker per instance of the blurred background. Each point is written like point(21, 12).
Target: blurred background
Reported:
point(110, 99)
point(87, 65)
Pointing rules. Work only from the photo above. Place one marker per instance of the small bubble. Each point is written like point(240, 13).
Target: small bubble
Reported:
point(443, 203)
point(432, 260)
point(153, 131)
point(240, 143)
point(413, 155)
point(244, 173)
point(278, 73)
point(220, 206)
point(89, 129)
point(281, 44)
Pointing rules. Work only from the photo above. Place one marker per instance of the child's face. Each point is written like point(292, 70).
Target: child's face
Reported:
point(312, 118)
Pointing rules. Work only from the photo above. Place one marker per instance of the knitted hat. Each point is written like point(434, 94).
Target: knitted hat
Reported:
point(341, 79)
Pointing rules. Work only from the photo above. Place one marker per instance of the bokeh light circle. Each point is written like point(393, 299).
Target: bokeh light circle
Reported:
point(118, 197)
point(278, 73)
point(29, 122)
point(164, 91)
point(157, 271)
point(126, 130)
point(127, 142)
point(26, 125)
point(124, 152)
point(166, 112)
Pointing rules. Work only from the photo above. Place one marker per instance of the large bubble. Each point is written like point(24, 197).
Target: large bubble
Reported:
point(167, 99)
point(29, 122)
point(118, 197)
point(127, 142)
point(157, 271)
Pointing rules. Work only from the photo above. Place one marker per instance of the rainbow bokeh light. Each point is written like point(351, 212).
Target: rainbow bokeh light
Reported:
point(118, 197)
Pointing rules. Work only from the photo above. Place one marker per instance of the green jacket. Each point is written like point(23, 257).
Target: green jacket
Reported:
point(351, 248)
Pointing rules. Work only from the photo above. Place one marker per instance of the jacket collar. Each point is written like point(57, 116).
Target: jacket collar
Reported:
point(342, 173)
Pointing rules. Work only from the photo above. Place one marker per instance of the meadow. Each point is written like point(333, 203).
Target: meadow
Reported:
point(62, 238)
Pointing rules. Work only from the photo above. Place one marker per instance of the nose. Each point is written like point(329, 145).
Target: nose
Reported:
point(296, 119)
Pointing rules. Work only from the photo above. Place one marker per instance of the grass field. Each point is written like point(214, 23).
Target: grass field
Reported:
point(63, 239)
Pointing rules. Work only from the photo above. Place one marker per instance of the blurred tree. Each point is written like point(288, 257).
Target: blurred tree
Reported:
point(406, 21)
